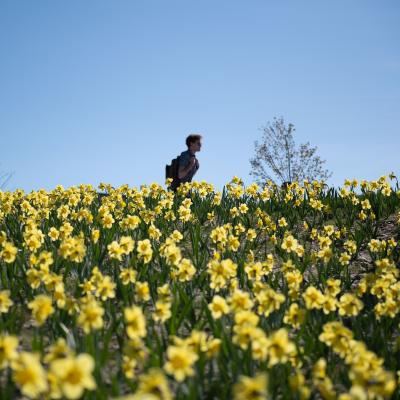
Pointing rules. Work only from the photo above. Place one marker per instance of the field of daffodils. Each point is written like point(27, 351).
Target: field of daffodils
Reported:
point(251, 293)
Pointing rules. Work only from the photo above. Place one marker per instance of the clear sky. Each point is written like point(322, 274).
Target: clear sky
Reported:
point(106, 91)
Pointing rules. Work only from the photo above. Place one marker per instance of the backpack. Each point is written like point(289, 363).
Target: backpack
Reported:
point(171, 171)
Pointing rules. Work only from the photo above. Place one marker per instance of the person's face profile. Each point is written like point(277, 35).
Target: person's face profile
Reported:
point(196, 146)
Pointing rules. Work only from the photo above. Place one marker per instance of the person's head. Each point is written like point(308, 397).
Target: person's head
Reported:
point(193, 142)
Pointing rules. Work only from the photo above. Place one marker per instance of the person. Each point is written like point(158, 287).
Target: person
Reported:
point(188, 163)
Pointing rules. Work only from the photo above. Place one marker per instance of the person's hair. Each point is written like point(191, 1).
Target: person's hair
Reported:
point(192, 139)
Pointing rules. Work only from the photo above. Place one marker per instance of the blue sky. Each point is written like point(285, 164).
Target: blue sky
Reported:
point(106, 91)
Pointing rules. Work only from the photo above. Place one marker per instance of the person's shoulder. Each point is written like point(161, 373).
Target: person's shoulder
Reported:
point(183, 158)
point(184, 153)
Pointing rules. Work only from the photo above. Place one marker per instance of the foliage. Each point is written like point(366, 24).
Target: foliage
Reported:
point(249, 293)
point(278, 158)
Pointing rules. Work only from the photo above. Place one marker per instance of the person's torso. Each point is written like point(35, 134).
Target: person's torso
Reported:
point(186, 156)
